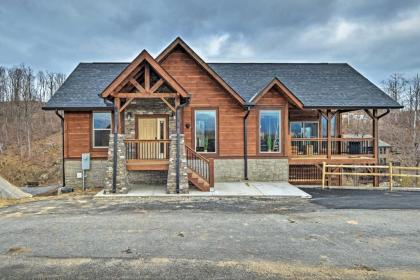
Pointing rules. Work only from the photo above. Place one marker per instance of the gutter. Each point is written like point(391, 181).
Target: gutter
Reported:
point(248, 110)
point(114, 156)
point(178, 140)
point(62, 148)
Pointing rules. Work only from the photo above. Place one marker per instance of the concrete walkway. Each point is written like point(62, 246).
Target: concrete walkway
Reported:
point(254, 189)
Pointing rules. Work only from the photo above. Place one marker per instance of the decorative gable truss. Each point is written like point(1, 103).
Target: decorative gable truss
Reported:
point(144, 78)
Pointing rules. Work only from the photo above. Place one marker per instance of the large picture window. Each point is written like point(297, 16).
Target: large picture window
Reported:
point(101, 129)
point(270, 131)
point(205, 131)
point(305, 129)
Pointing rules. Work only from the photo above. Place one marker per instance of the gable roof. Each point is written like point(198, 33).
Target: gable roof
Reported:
point(81, 89)
point(144, 56)
point(316, 85)
point(313, 85)
point(178, 42)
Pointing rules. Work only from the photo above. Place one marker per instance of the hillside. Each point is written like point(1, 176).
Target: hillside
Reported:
point(44, 166)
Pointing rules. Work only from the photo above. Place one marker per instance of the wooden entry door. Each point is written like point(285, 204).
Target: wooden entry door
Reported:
point(150, 130)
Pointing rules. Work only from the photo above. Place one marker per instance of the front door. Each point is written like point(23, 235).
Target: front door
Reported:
point(152, 130)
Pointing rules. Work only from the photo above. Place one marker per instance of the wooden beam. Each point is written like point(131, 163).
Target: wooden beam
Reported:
point(168, 104)
point(329, 134)
point(147, 77)
point(157, 85)
point(126, 104)
point(145, 95)
point(137, 85)
point(119, 124)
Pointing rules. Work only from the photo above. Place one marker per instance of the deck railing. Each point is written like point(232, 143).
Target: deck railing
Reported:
point(200, 165)
point(307, 147)
point(147, 149)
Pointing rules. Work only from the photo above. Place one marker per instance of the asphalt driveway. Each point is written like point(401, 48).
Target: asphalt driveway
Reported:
point(364, 199)
point(199, 238)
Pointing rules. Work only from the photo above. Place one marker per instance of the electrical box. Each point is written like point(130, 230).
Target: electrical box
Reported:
point(86, 161)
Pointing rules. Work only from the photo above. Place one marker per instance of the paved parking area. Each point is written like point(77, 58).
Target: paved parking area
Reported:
point(253, 189)
point(364, 199)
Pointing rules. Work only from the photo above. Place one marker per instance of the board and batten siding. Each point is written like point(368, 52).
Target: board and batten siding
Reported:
point(208, 94)
point(78, 136)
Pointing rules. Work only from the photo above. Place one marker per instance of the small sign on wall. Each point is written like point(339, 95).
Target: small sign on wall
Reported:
point(86, 161)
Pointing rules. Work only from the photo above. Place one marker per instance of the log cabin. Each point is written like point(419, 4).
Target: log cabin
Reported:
point(180, 122)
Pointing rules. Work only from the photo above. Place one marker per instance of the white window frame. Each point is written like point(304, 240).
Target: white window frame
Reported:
point(97, 129)
point(279, 111)
point(215, 130)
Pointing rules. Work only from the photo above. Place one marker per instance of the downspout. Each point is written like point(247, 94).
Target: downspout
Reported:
point(178, 140)
point(62, 148)
point(248, 110)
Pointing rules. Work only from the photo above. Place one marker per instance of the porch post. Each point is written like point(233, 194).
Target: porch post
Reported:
point(329, 134)
point(375, 135)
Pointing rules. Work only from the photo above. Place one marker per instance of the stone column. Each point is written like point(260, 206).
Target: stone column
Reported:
point(183, 175)
point(121, 182)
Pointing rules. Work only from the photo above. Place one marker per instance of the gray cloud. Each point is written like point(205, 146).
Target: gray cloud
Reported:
point(376, 37)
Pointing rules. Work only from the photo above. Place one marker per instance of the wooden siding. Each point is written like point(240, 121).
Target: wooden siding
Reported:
point(207, 93)
point(78, 136)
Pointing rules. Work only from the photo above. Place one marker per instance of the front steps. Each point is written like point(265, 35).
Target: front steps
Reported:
point(198, 181)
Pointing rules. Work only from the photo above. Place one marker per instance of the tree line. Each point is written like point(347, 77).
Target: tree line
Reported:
point(401, 127)
point(22, 95)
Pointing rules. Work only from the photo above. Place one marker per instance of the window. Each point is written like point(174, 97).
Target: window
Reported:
point(324, 126)
point(101, 129)
point(270, 131)
point(304, 129)
point(205, 131)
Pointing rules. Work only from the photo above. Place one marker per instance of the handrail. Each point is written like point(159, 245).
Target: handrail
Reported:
point(151, 140)
point(137, 149)
point(197, 154)
point(332, 139)
point(201, 165)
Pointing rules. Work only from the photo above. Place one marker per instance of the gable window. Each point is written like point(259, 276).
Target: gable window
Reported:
point(101, 126)
point(205, 131)
point(270, 131)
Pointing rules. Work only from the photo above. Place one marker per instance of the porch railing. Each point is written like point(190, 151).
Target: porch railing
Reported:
point(147, 149)
point(339, 146)
point(200, 165)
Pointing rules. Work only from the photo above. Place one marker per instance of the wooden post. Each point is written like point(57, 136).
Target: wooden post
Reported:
point(375, 145)
point(211, 170)
point(329, 134)
point(323, 174)
point(119, 123)
point(391, 184)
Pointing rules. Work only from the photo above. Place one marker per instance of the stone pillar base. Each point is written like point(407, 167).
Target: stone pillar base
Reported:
point(121, 182)
point(183, 175)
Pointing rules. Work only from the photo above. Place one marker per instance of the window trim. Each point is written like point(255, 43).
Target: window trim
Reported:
point(93, 129)
point(216, 110)
point(281, 138)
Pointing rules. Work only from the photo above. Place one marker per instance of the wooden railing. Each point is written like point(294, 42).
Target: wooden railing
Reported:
point(147, 149)
point(200, 165)
point(372, 170)
point(339, 146)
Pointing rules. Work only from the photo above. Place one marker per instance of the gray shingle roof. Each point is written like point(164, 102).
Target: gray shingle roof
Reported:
point(85, 83)
point(318, 85)
point(314, 84)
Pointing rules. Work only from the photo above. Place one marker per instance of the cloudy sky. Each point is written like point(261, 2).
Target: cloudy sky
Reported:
point(376, 37)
